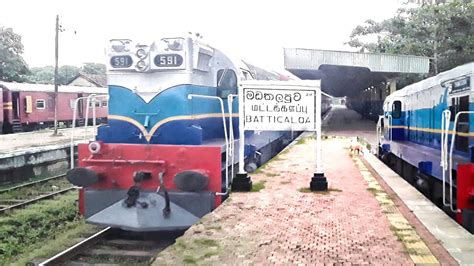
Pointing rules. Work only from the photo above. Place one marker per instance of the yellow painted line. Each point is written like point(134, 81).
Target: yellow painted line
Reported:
point(148, 134)
point(432, 130)
point(402, 229)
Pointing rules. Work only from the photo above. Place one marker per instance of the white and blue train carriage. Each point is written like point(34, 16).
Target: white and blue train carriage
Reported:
point(427, 135)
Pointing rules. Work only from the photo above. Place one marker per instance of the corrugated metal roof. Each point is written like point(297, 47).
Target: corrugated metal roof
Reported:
point(50, 88)
point(310, 59)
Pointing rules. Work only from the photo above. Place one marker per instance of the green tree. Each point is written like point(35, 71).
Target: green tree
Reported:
point(12, 65)
point(42, 75)
point(443, 32)
point(93, 68)
point(66, 73)
point(45, 75)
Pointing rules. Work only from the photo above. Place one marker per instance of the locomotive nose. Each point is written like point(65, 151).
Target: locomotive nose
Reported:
point(82, 177)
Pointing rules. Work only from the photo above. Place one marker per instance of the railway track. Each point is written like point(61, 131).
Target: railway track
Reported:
point(115, 247)
point(22, 195)
point(33, 183)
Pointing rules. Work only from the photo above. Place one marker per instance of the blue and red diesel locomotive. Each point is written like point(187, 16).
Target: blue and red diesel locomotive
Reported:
point(428, 139)
point(160, 162)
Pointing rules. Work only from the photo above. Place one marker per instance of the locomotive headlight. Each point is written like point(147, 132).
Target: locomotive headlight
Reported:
point(141, 65)
point(94, 147)
point(120, 45)
point(141, 53)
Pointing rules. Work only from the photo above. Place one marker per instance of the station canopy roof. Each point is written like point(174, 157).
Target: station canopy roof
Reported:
point(348, 73)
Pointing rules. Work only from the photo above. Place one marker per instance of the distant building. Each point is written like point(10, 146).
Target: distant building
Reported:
point(88, 80)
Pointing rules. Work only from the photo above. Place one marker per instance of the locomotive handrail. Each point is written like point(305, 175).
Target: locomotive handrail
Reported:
point(74, 111)
point(230, 152)
point(390, 121)
point(94, 116)
point(74, 117)
point(379, 128)
point(445, 117)
point(190, 96)
point(451, 151)
point(86, 122)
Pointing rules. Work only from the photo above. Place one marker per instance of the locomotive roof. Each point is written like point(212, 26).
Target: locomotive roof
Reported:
point(12, 86)
point(457, 72)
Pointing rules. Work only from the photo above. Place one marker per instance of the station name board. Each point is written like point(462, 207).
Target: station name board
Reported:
point(279, 108)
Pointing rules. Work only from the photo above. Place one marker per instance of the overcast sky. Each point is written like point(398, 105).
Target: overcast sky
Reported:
point(254, 30)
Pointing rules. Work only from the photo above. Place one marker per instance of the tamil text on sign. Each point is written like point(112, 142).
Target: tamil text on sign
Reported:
point(279, 108)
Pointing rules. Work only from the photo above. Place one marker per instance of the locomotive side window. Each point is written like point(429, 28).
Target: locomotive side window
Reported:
point(396, 109)
point(40, 104)
point(226, 82)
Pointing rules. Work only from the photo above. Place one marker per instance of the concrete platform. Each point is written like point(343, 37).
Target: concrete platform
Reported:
point(37, 154)
point(37, 140)
point(285, 224)
point(347, 123)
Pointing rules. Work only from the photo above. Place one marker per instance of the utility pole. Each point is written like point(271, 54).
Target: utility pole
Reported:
point(56, 78)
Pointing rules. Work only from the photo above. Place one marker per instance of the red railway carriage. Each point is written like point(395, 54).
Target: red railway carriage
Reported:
point(31, 106)
point(3, 106)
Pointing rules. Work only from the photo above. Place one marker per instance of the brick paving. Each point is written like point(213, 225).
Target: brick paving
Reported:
point(284, 224)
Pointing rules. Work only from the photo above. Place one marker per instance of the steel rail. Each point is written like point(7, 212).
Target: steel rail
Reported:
point(27, 202)
point(31, 183)
point(74, 250)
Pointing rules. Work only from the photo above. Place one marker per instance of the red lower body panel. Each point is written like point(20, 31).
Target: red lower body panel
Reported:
point(116, 165)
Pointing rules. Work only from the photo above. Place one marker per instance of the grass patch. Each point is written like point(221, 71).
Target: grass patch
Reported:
point(271, 174)
point(7, 185)
point(283, 152)
point(373, 190)
point(214, 227)
point(27, 229)
point(73, 233)
point(206, 242)
point(194, 250)
point(301, 141)
point(189, 259)
point(210, 254)
point(256, 187)
point(35, 190)
point(180, 243)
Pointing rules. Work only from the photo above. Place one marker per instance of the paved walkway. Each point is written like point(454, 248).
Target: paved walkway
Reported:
point(285, 224)
point(348, 123)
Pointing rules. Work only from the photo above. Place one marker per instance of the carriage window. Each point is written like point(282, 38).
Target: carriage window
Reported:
point(105, 103)
point(396, 109)
point(40, 104)
point(93, 101)
point(226, 82)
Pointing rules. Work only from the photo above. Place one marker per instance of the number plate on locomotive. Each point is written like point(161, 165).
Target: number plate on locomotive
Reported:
point(168, 60)
point(122, 61)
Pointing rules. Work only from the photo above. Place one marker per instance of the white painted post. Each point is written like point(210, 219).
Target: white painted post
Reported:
point(319, 166)
point(241, 131)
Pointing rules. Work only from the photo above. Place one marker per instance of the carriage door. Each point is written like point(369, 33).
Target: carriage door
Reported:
point(462, 104)
point(16, 105)
point(80, 107)
point(398, 121)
